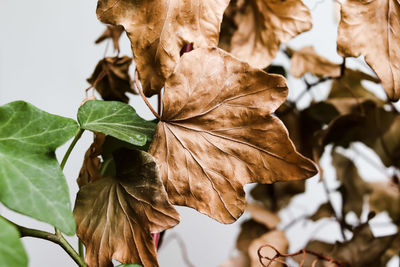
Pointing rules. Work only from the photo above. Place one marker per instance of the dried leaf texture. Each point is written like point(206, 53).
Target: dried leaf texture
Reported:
point(372, 28)
point(306, 60)
point(115, 215)
point(111, 78)
point(276, 239)
point(216, 134)
point(159, 29)
point(263, 25)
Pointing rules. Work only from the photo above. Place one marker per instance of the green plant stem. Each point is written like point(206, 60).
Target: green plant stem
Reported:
point(70, 148)
point(55, 238)
point(81, 249)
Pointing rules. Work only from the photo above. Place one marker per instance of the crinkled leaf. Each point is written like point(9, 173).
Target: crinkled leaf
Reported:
point(116, 119)
point(159, 29)
point(371, 28)
point(31, 180)
point(216, 134)
point(306, 60)
point(111, 32)
point(264, 25)
point(353, 187)
point(262, 215)
point(12, 252)
point(116, 215)
point(111, 78)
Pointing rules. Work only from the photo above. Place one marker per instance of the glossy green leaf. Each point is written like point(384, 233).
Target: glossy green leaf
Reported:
point(31, 180)
point(12, 253)
point(116, 119)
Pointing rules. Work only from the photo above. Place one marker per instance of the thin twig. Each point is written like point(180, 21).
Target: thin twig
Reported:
point(144, 97)
point(302, 251)
point(182, 246)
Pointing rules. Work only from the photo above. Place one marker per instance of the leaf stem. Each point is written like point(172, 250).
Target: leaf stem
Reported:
point(144, 97)
point(81, 249)
point(55, 238)
point(70, 148)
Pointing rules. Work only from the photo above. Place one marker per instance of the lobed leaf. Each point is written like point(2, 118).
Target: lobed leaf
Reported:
point(116, 119)
point(158, 30)
point(31, 180)
point(371, 28)
point(117, 214)
point(12, 252)
point(216, 134)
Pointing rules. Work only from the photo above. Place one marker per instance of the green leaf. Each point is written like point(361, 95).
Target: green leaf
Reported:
point(12, 253)
point(116, 119)
point(31, 180)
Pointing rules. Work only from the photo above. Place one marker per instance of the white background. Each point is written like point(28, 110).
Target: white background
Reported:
point(46, 54)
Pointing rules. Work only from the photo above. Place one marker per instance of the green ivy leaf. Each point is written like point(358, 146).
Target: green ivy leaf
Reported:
point(116, 119)
point(12, 253)
point(31, 180)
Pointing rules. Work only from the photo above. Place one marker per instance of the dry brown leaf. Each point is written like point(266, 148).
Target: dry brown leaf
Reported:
point(324, 211)
point(249, 230)
point(371, 28)
point(91, 163)
point(216, 134)
point(111, 78)
point(115, 215)
point(385, 196)
point(306, 60)
point(262, 215)
point(112, 32)
point(277, 239)
point(353, 187)
point(159, 29)
point(263, 25)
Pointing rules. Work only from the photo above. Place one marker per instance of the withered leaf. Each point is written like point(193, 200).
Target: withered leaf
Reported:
point(306, 60)
point(216, 134)
point(249, 230)
point(159, 29)
point(385, 196)
point(262, 215)
point(112, 32)
point(371, 28)
point(111, 78)
point(263, 25)
point(275, 238)
point(115, 215)
point(353, 188)
point(278, 195)
point(362, 250)
point(347, 93)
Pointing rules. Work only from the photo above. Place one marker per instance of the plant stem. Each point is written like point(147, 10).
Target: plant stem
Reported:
point(81, 249)
point(70, 148)
point(144, 97)
point(55, 238)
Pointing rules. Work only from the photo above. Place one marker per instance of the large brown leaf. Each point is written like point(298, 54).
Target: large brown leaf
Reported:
point(371, 28)
point(263, 25)
point(159, 29)
point(115, 215)
point(216, 134)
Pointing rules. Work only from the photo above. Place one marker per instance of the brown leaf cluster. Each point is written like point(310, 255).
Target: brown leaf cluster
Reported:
point(159, 29)
point(111, 32)
point(217, 133)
